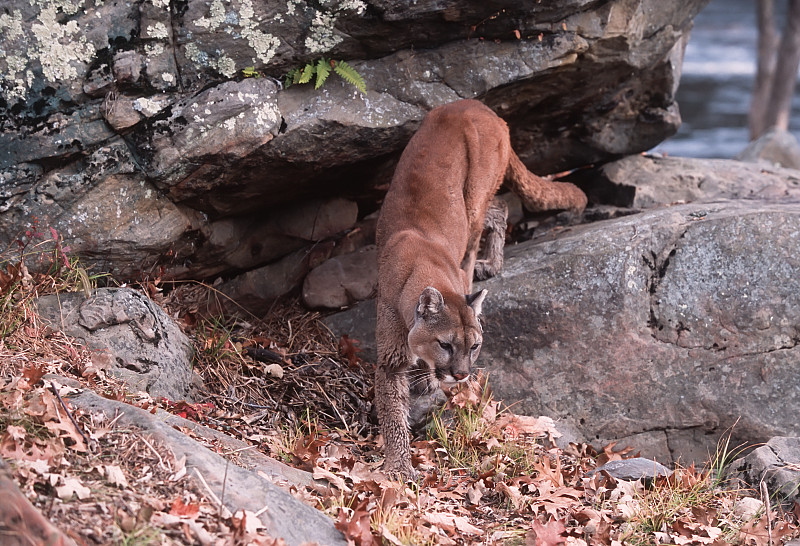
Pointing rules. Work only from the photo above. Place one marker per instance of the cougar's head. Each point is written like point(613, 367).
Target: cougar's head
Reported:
point(446, 336)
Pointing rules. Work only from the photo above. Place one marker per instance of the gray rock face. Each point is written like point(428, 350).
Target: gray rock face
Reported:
point(659, 330)
point(130, 335)
point(115, 117)
point(640, 182)
point(777, 463)
point(342, 280)
point(671, 324)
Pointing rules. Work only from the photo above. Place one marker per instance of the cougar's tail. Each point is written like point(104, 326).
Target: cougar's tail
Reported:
point(538, 194)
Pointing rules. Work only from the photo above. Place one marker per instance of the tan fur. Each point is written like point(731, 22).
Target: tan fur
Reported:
point(428, 236)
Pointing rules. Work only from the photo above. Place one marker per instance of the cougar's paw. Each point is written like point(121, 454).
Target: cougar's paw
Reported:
point(484, 270)
point(400, 471)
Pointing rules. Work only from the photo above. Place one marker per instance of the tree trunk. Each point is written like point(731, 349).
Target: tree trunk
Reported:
point(767, 43)
point(777, 69)
point(785, 78)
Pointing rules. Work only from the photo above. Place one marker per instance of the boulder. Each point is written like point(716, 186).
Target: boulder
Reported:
point(777, 464)
point(635, 468)
point(643, 181)
point(343, 280)
point(776, 147)
point(130, 336)
point(177, 115)
point(659, 330)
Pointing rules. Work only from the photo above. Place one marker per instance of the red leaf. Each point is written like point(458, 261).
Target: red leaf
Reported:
point(356, 528)
point(550, 534)
point(34, 373)
point(191, 510)
point(348, 348)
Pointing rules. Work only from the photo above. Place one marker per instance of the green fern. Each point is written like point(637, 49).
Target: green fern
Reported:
point(349, 74)
point(320, 71)
point(323, 71)
point(250, 72)
point(292, 77)
point(307, 73)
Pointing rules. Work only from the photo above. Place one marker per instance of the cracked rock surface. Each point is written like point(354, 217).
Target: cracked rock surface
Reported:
point(663, 328)
point(130, 336)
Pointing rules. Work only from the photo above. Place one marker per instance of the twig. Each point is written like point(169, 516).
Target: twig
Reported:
point(765, 497)
point(264, 355)
point(211, 494)
point(224, 483)
point(69, 413)
point(160, 461)
point(333, 405)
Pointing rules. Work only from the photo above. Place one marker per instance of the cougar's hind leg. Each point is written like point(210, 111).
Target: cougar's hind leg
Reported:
point(495, 229)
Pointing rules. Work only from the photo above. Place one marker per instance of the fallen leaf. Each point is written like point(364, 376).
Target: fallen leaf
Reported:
point(463, 525)
point(34, 373)
point(475, 492)
point(348, 348)
point(247, 521)
point(72, 486)
point(511, 492)
point(451, 523)
point(115, 476)
point(513, 426)
point(356, 528)
point(178, 508)
point(336, 481)
point(549, 534)
point(16, 433)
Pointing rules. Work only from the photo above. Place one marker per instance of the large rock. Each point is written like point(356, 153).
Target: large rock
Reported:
point(160, 86)
point(343, 280)
point(776, 147)
point(662, 329)
point(130, 336)
point(659, 330)
point(640, 181)
point(776, 464)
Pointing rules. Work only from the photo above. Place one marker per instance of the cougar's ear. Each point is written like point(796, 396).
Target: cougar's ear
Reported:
point(476, 301)
point(430, 303)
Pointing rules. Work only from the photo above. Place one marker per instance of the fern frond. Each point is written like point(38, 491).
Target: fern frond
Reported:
point(323, 71)
point(349, 74)
point(308, 73)
point(250, 72)
point(292, 77)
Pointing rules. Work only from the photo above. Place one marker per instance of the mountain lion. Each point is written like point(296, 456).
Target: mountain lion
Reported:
point(428, 234)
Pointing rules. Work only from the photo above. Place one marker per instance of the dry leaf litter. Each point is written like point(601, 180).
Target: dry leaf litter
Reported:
point(287, 387)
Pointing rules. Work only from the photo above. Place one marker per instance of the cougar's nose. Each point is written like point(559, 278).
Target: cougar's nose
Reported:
point(460, 376)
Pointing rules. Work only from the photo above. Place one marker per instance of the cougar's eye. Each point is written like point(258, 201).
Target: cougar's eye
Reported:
point(475, 347)
point(446, 346)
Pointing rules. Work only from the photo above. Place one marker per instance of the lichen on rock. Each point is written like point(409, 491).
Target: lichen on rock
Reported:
point(59, 46)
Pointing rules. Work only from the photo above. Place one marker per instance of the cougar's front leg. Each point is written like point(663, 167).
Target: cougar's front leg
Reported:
point(391, 392)
point(495, 228)
point(391, 399)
